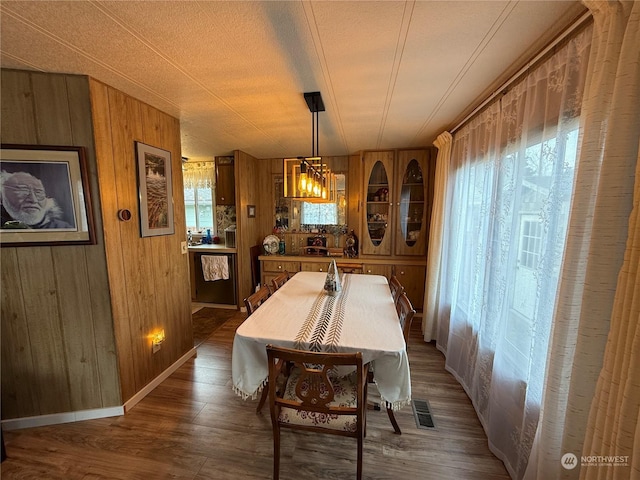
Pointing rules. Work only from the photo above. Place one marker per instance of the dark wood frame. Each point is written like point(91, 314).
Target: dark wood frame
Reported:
point(143, 151)
point(37, 160)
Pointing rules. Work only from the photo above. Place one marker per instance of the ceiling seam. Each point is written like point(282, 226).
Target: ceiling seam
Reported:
point(20, 60)
point(317, 43)
point(105, 11)
point(395, 69)
point(504, 14)
point(75, 49)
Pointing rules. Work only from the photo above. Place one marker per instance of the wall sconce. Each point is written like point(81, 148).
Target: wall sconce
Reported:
point(157, 339)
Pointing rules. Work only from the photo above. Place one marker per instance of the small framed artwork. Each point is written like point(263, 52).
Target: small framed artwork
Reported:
point(251, 211)
point(155, 194)
point(45, 197)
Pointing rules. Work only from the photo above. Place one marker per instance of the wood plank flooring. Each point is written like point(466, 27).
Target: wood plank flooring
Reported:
point(194, 427)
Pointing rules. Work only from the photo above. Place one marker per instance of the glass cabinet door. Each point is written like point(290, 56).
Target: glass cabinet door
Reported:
point(378, 168)
point(412, 204)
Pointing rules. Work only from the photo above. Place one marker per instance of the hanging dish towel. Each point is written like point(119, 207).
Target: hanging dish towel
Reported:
point(215, 267)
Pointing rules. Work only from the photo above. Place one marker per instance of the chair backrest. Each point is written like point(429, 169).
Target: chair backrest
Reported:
point(253, 301)
point(314, 398)
point(280, 280)
point(405, 315)
point(315, 385)
point(396, 288)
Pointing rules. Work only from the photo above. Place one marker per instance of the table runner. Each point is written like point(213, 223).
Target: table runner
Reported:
point(361, 317)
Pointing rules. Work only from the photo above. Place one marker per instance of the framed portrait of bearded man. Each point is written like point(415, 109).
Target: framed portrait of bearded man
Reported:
point(44, 196)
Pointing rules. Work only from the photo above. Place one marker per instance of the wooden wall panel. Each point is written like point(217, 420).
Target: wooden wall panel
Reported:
point(149, 276)
point(58, 351)
point(98, 285)
point(17, 105)
point(247, 228)
point(110, 202)
point(19, 398)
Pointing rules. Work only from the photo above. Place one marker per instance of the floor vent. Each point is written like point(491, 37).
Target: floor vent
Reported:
point(422, 413)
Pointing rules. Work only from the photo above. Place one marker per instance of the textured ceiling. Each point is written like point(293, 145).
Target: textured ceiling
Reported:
point(391, 74)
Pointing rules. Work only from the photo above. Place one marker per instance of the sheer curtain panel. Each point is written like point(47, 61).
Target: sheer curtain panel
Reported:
point(508, 204)
point(434, 256)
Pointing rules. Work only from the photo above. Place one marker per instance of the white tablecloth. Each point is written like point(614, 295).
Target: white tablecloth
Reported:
point(361, 318)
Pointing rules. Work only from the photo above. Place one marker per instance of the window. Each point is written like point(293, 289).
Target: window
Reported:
point(198, 204)
point(530, 243)
point(319, 213)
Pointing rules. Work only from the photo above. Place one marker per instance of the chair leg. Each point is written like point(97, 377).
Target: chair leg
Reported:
point(392, 417)
point(276, 453)
point(263, 398)
point(359, 464)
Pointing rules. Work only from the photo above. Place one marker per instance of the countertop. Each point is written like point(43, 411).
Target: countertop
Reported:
point(218, 248)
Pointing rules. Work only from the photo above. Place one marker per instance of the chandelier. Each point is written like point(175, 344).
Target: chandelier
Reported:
point(308, 178)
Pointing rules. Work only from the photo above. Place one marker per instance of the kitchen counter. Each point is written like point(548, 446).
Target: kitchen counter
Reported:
point(217, 248)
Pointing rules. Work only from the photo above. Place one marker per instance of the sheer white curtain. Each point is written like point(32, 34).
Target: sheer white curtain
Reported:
point(595, 252)
point(508, 203)
point(436, 231)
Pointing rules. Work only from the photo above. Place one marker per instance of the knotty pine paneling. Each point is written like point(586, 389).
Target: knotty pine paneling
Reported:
point(58, 350)
point(148, 276)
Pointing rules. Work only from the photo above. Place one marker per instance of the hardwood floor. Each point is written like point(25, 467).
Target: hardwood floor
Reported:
point(193, 426)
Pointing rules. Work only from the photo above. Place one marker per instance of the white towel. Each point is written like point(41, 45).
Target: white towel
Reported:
point(215, 267)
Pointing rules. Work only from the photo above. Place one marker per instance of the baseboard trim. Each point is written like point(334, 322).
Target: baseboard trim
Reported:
point(223, 306)
point(133, 401)
point(68, 417)
point(56, 418)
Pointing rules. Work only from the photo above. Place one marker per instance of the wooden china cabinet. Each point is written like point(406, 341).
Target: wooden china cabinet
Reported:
point(397, 199)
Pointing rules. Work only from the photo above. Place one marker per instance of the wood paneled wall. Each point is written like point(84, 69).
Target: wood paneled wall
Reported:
point(148, 277)
point(58, 350)
point(250, 189)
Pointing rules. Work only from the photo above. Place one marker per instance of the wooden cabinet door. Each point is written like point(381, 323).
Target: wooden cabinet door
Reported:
point(376, 236)
point(412, 205)
point(412, 278)
point(225, 181)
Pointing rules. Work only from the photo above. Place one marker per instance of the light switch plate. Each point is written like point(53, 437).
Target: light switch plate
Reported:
point(183, 247)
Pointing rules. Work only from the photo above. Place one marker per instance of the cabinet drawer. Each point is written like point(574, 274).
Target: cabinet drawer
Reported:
point(373, 269)
point(280, 266)
point(315, 266)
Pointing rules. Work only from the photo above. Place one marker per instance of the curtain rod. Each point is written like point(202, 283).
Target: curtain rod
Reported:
point(573, 27)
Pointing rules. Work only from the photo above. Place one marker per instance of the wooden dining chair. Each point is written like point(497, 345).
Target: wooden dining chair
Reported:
point(405, 315)
point(305, 393)
point(280, 280)
point(396, 288)
point(256, 299)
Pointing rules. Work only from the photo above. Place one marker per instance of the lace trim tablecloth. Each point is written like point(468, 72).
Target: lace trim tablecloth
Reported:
point(361, 317)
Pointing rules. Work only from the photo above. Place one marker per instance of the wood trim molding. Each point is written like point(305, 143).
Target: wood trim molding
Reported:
point(129, 404)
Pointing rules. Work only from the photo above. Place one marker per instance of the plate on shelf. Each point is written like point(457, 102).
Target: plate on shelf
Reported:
point(271, 243)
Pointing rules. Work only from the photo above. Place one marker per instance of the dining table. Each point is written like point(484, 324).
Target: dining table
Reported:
point(360, 317)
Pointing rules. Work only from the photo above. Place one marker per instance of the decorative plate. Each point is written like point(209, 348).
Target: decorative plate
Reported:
point(271, 244)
